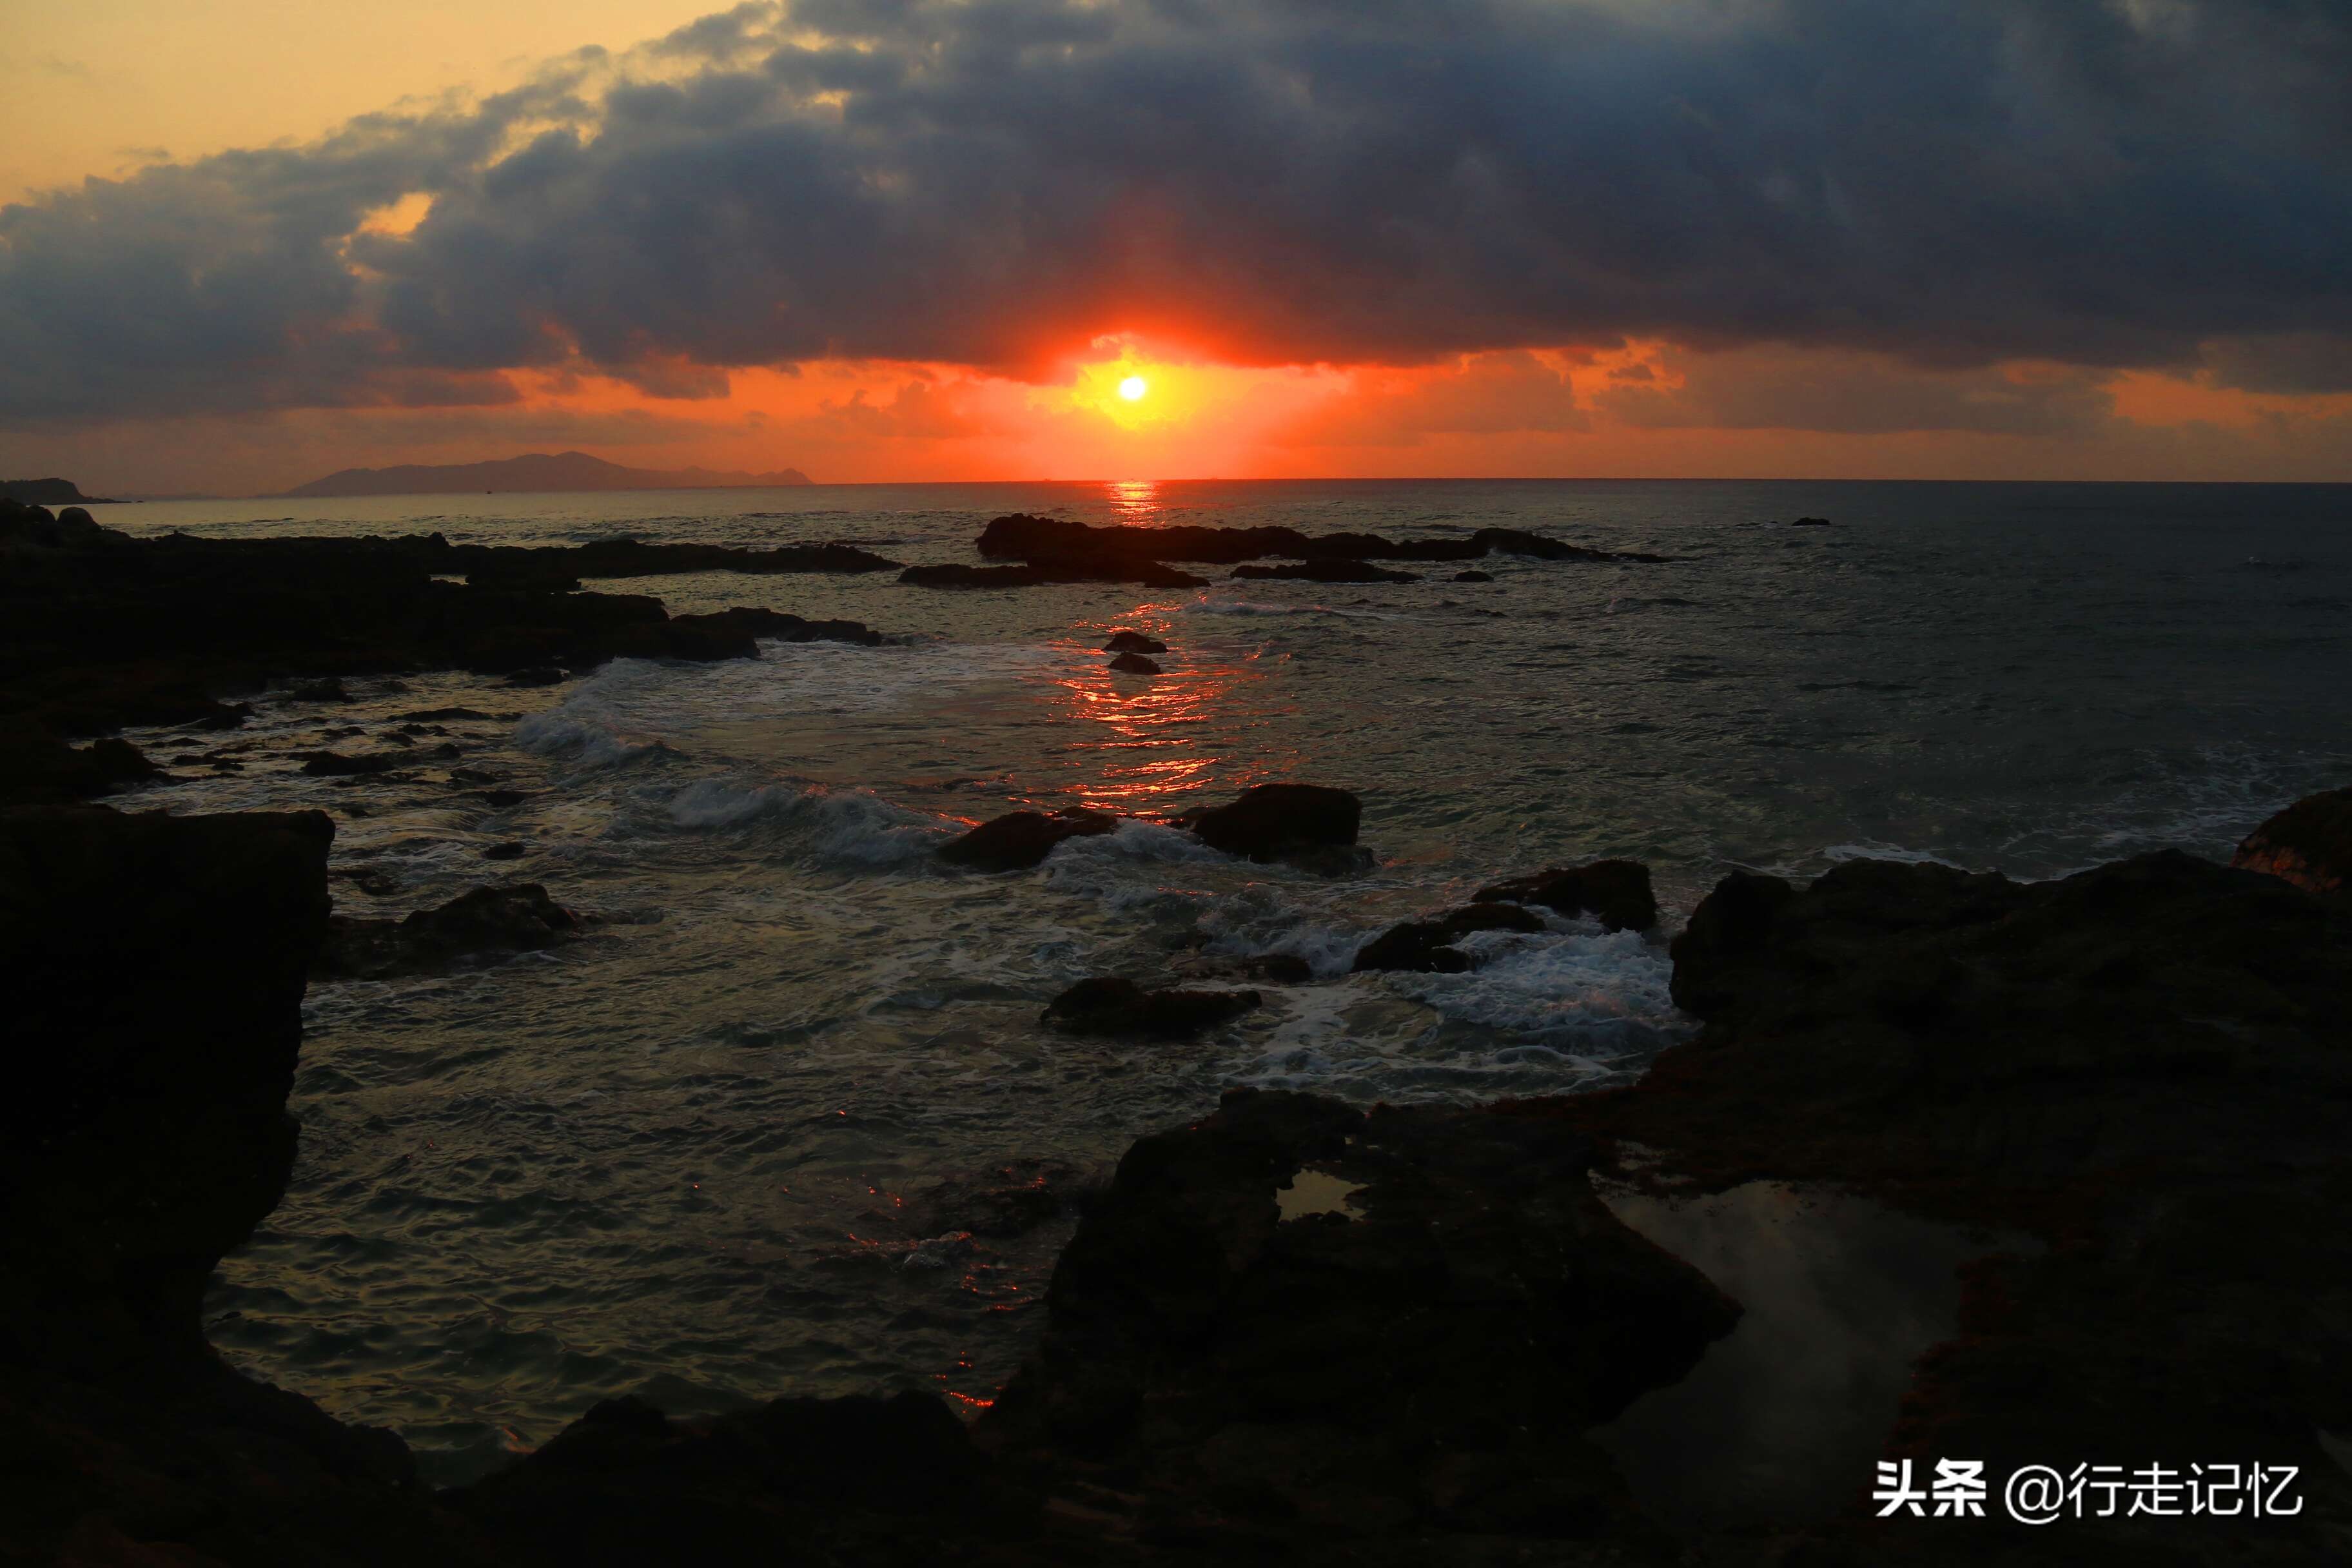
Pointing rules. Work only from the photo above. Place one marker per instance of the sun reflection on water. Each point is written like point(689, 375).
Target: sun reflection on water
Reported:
point(1134, 504)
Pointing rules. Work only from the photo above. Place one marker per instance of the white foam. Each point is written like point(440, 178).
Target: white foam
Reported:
point(856, 826)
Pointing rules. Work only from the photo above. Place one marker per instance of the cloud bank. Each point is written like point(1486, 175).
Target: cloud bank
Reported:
point(994, 184)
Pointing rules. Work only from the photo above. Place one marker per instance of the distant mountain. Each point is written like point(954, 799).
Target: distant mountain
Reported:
point(535, 471)
point(48, 492)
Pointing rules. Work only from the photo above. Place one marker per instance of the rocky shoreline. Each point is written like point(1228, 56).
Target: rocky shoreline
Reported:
point(1295, 1329)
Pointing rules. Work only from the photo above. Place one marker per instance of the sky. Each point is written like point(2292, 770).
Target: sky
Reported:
point(247, 243)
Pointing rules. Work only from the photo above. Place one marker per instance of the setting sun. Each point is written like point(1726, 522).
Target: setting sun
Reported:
point(1133, 388)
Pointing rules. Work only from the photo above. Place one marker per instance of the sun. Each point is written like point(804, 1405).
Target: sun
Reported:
point(1133, 388)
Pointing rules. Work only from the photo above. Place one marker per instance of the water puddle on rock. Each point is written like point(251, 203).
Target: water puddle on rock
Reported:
point(1313, 1192)
point(1784, 1419)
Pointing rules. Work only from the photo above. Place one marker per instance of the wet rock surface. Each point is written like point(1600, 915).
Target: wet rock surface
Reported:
point(1134, 664)
point(1020, 839)
point(484, 922)
point(1275, 821)
point(1427, 945)
point(2308, 844)
point(1617, 893)
point(1125, 641)
point(1111, 1005)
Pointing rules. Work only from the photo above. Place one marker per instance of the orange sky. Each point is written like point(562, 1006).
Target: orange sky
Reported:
point(105, 86)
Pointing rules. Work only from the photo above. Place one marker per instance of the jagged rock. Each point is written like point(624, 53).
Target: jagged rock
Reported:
point(1426, 945)
point(1272, 821)
point(1133, 664)
point(517, 919)
point(1457, 1290)
point(2308, 844)
point(1325, 571)
point(1615, 892)
point(1021, 839)
point(1125, 641)
point(1110, 1005)
point(36, 769)
point(1022, 537)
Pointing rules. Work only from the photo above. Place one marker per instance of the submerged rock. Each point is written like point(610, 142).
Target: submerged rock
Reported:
point(1426, 945)
point(1134, 664)
point(2308, 844)
point(1474, 576)
point(1110, 1005)
point(1335, 570)
point(339, 764)
point(1125, 641)
point(1020, 839)
point(1274, 821)
point(500, 919)
point(1617, 893)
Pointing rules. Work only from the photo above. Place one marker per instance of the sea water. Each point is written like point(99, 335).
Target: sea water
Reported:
point(692, 1154)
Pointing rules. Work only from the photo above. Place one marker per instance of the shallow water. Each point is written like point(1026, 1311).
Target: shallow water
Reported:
point(686, 1155)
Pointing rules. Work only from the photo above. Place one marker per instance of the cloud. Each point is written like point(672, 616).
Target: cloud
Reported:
point(1493, 394)
point(1844, 394)
point(996, 183)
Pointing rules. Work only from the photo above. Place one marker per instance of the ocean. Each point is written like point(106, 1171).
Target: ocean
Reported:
point(697, 1154)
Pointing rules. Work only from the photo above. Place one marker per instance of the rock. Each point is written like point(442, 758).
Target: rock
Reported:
point(337, 764)
point(1270, 821)
point(536, 675)
point(1020, 839)
point(856, 1480)
point(775, 627)
point(500, 799)
point(1615, 892)
point(1423, 945)
point(1451, 1287)
point(38, 769)
point(1009, 1200)
point(1021, 536)
point(1110, 1005)
point(1143, 573)
point(2309, 844)
point(1133, 664)
point(1474, 576)
point(1125, 641)
point(1811, 523)
point(1326, 572)
point(486, 920)
point(429, 714)
point(1272, 968)
point(328, 690)
point(513, 849)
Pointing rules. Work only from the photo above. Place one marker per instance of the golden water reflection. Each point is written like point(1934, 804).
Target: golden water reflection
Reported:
point(1147, 743)
point(1134, 503)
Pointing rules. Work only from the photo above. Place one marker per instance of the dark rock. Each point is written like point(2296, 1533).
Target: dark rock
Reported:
point(776, 627)
point(536, 675)
point(1615, 892)
point(427, 714)
point(1270, 821)
point(36, 769)
point(1474, 576)
point(1134, 664)
point(1140, 572)
point(1012, 1199)
point(1423, 945)
point(1462, 1294)
point(1022, 537)
point(856, 1480)
point(513, 849)
point(499, 799)
point(1325, 571)
point(1123, 641)
point(368, 879)
point(1021, 839)
point(2144, 1065)
point(1811, 523)
point(336, 764)
point(2308, 844)
point(328, 690)
point(1110, 1005)
point(518, 919)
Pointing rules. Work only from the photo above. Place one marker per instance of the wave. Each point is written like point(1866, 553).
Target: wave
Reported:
point(853, 825)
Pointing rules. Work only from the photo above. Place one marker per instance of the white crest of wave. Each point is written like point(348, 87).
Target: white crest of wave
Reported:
point(840, 824)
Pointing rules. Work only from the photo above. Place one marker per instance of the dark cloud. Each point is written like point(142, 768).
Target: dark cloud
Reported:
point(994, 182)
point(1845, 394)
